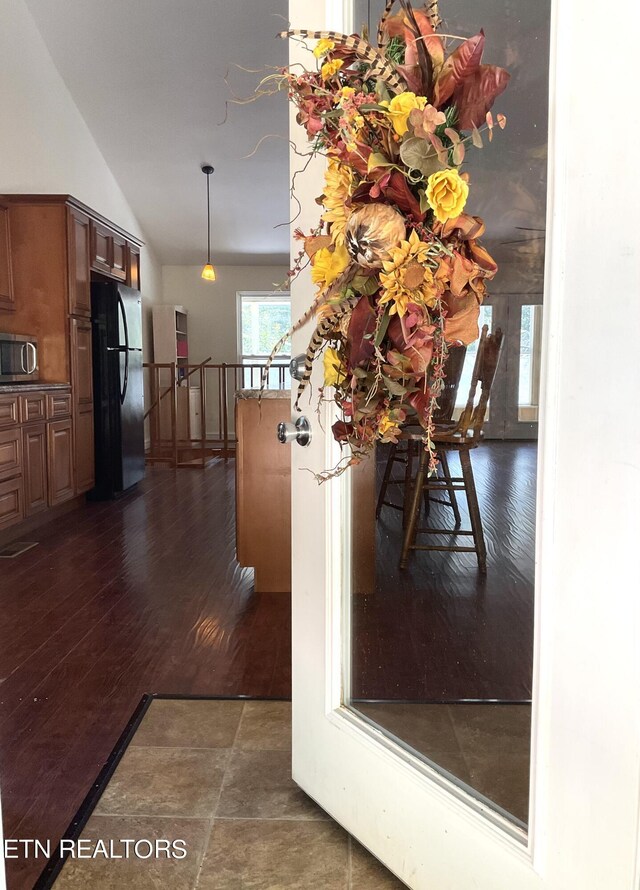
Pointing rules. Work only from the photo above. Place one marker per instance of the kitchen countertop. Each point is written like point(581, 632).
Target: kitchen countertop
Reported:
point(31, 387)
point(266, 394)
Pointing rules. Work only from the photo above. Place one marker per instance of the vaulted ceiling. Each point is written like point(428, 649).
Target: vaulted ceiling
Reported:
point(154, 79)
point(149, 78)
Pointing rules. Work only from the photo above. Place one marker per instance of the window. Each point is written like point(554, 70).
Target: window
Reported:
point(263, 318)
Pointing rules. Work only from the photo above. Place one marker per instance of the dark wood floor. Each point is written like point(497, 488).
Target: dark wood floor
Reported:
point(440, 631)
point(119, 599)
point(144, 595)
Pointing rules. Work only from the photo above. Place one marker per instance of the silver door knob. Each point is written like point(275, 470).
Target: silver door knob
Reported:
point(296, 366)
point(300, 432)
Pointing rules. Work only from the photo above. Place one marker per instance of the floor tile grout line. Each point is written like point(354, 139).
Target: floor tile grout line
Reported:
point(296, 818)
point(214, 812)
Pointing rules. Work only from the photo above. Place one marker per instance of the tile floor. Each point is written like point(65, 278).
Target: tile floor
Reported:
point(216, 774)
point(486, 746)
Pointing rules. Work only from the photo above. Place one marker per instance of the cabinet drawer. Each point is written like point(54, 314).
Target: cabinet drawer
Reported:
point(9, 414)
point(10, 453)
point(33, 407)
point(11, 502)
point(58, 405)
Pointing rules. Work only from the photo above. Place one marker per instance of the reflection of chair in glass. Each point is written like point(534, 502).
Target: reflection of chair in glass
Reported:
point(406, 455)
point(461, 437)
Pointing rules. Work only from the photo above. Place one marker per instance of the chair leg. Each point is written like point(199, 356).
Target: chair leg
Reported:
point(414, 510)
point(385, 479)
point(451, 490)
point(408, 474)
point(474, 509)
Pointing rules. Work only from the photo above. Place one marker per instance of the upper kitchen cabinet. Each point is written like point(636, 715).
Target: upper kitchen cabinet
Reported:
point(57, 246)
point(79, 253)
point(7, 301)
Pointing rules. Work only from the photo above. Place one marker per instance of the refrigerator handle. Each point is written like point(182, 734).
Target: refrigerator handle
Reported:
point(125, 328)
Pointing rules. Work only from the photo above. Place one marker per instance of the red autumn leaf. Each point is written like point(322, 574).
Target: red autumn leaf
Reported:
point(462, 62)
point(362, 322)
point(420, 401)
point(341, 430)
point(398, 192)
point(475, 95)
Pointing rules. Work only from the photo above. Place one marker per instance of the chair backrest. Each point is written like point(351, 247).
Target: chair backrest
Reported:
point(484, 372)
point(451, 382)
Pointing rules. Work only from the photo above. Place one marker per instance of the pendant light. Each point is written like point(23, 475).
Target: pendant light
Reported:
point(208, 271)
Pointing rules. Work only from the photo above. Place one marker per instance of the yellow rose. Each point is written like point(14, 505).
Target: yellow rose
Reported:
point(388, 429)
point(322, 47)
point(345, 93)
point(333, 368)
point(400, 107)
point(447, 194)
point(331, 68)
point(328, 264)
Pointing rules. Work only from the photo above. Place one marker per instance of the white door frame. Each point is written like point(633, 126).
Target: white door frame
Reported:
point(585, 773)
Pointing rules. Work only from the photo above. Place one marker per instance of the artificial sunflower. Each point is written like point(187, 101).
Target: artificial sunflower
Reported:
point(406, 277)
point(328, 264)
point(338, 181)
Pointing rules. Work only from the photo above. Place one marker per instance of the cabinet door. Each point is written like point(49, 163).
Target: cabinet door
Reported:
point(81, 363)
point(34, 446)
point(119, 257)
point(7, 300)
point(11, 502)
point(133, 271)
point(101, 248)
point(60, 461)
point(84, 449)
point(6, 279)
point(79, 276)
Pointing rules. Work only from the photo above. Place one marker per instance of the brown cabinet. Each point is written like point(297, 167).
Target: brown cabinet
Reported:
point(60, 461)
point(34, 446)
point(81, 361)
point(10, 453)
point(133, 266)
point(79, 254)
point(7, 297)
point(9, 411)
point(33, 407)
point(101, 247)
point(119, 257)
point(11, 502)
point(84, 450)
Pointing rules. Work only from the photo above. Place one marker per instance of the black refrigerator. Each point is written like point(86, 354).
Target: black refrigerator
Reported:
point(116, 318)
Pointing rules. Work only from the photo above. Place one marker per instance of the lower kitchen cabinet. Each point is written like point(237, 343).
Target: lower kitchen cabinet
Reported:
point(60, 461)
point(34, 447)
point(11, 502)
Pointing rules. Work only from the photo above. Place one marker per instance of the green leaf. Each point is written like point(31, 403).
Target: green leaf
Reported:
point(424, 204)
point(377, 159)
point(366, 285)
point(393, 387)
point(382, 330)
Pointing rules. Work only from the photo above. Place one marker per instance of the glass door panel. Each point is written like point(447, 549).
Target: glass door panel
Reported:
point(441, 633)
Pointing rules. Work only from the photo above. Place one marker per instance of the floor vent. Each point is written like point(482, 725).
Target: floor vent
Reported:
point(16, 549)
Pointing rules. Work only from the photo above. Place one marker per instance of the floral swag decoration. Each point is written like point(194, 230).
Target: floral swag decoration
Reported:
point(399, 269)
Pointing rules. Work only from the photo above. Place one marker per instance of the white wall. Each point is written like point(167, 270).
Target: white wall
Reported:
point(212, 305)
point(45, 144)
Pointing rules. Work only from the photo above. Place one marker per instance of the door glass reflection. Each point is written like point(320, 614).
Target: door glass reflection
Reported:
point(442, 604)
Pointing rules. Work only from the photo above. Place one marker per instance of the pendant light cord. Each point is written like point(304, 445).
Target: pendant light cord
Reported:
point(208, 220)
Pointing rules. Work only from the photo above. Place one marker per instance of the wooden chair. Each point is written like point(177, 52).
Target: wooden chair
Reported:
point(462, 437)
point(410, 452)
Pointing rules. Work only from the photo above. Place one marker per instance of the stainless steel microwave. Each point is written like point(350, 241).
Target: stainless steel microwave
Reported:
point(18, 358)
